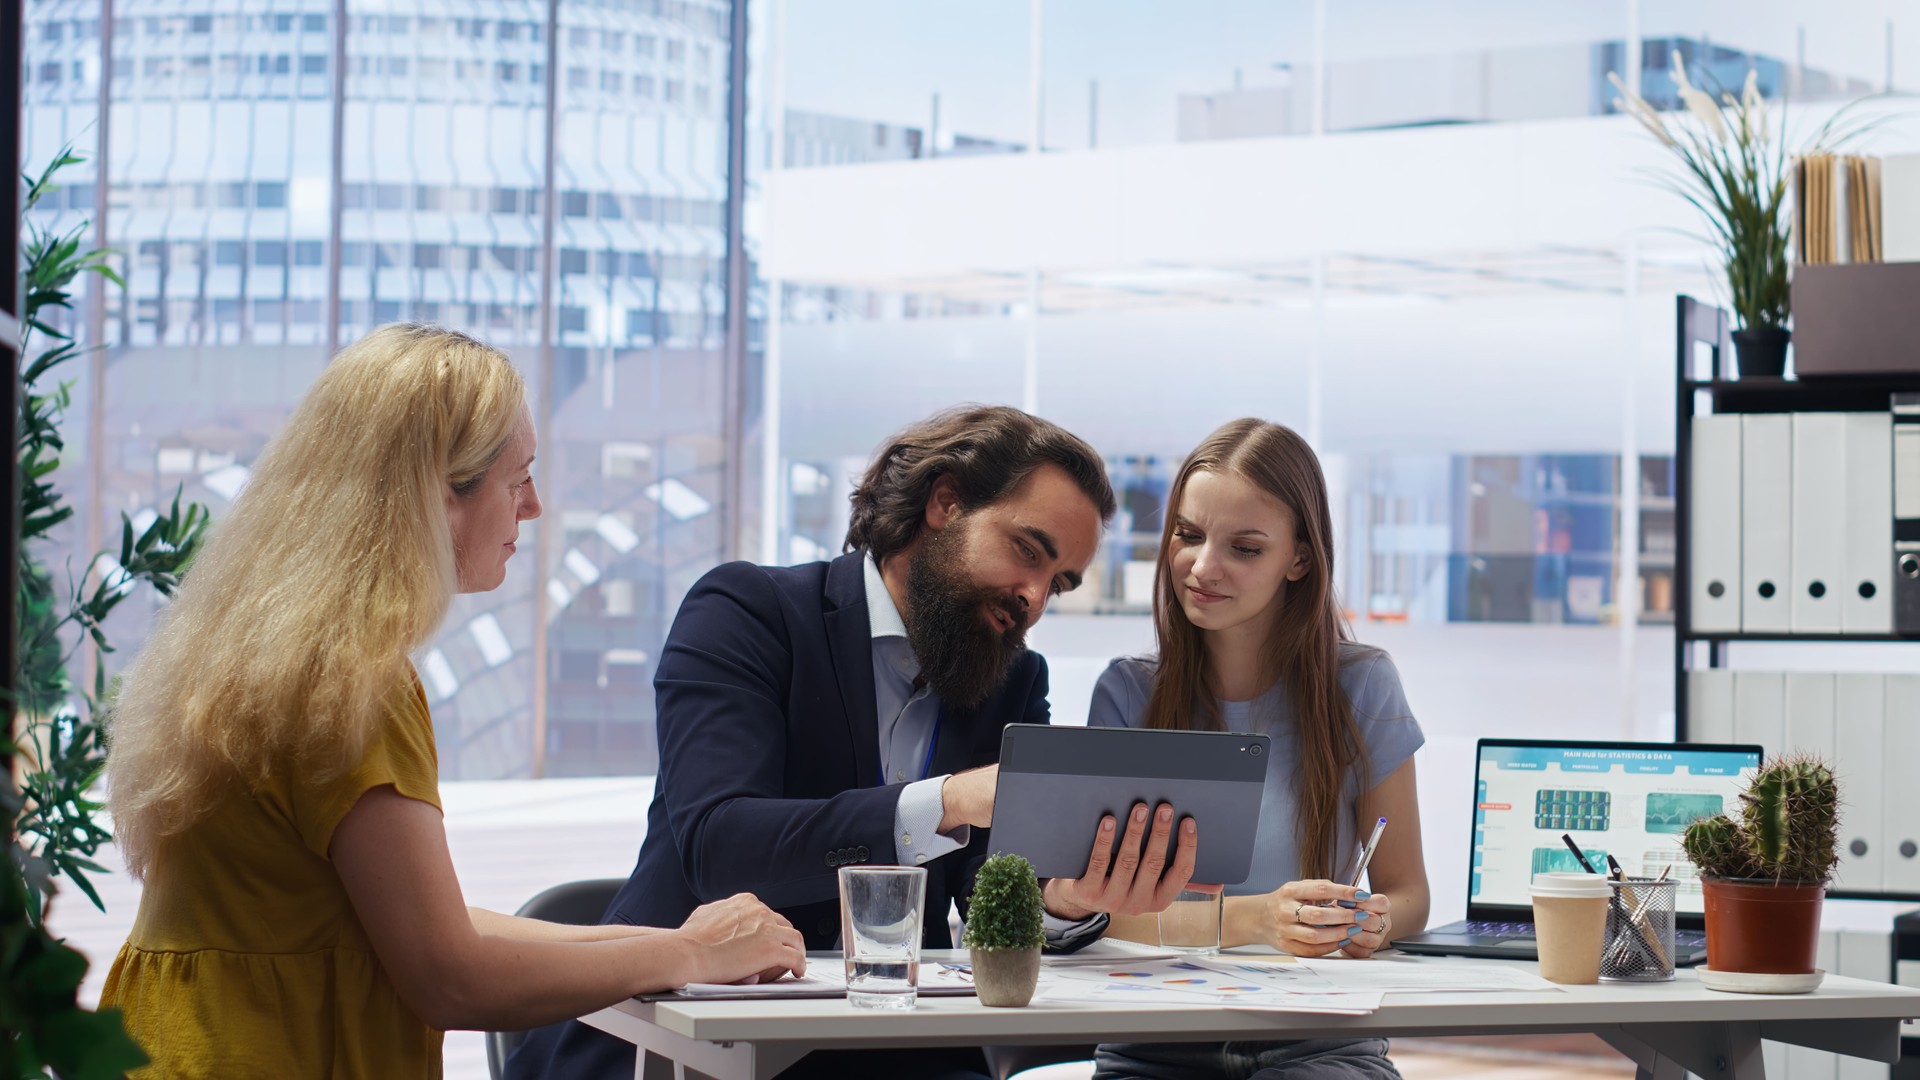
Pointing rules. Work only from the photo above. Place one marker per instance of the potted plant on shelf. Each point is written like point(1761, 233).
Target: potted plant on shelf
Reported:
point(1733, 169)
point(1764, 877)
point(1005, 931)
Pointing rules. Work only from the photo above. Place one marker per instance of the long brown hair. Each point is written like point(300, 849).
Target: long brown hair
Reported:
point(986, 449)
point(1303, 642)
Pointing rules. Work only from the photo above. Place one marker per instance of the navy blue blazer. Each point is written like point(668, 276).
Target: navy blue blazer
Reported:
point(770, 771)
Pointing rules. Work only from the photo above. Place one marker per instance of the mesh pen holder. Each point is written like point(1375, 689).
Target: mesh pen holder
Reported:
point(1639, 941)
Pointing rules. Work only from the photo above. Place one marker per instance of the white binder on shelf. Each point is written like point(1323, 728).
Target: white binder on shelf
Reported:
point(1766, 507)
point(1809, 719)
point(1900, 846)
point(1859, 734)
point(1760, 710)
point(1713, 525)
point(1774, 1056)
point(1906, 512)
point(1863, 954)
point(1866, 595)
point(1710, 706)
point(1816, 540)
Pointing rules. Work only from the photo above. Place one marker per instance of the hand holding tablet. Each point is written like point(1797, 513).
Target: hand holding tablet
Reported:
point(1130, 879)
point(1158, 789)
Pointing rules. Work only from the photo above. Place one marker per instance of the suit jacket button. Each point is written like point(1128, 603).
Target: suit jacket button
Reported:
point(830, 858)
point(860, 853)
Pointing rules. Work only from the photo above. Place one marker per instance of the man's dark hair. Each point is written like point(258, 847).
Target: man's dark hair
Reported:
point(988, 450)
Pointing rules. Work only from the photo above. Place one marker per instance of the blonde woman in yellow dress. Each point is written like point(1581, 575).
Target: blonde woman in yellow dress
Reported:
point(273, 775)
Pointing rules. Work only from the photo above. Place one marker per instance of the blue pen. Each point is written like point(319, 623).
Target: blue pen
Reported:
point(1366, 853)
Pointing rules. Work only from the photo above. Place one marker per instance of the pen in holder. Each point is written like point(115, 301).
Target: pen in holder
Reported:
point(1639, 941)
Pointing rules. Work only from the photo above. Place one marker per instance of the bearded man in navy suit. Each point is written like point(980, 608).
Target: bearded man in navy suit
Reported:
point(850, 712)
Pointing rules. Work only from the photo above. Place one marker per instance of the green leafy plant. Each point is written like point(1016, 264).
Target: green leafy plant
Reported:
point(1733, 169)
point(1788, 829)
point(1004, 911)
point(42, 1025)
point(61, 746)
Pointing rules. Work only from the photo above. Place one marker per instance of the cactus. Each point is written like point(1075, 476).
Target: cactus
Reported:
point(1788, 827)
point(1790, 817)
point(1004, 910)
point(1715, 846)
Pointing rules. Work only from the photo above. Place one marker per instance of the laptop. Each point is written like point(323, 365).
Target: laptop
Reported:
point(1629, 800)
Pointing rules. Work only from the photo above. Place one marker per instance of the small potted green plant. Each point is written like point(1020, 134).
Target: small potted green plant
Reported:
point(1765, 875)
point(1005, 931)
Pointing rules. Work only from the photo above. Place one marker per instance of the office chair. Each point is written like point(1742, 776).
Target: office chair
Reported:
point(577, 903)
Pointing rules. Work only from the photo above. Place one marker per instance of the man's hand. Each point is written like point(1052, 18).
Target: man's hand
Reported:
point(968, 798)
point(1139, 883)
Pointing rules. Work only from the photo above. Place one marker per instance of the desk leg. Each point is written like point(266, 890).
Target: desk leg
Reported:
point(720, 1061)
point(1729, 1051)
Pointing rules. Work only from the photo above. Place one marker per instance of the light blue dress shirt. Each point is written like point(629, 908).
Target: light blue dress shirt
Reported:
point(909, 715)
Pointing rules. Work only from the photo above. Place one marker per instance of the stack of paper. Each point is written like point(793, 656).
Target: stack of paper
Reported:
point(1320, 986)
point(1406, 974)
point(825, 978)
point(1212, 982)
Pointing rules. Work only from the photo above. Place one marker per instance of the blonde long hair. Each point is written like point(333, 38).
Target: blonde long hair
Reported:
point(335, 563)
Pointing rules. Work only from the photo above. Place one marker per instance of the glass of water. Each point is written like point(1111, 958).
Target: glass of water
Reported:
point(1191, 924)
point(881, 911)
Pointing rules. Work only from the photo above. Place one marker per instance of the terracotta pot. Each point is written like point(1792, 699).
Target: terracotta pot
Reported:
point(1005, 977)
point(1762, 927)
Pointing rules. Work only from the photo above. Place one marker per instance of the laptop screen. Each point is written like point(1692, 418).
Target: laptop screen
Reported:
point(1628, 800)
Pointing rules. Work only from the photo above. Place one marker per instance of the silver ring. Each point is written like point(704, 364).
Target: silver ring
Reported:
point(1297, 909)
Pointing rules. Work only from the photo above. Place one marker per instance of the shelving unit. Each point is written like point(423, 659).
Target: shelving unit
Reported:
point(1704, 328)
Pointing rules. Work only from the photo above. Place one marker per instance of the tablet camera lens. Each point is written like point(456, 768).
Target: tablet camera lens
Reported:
point(1254, 750)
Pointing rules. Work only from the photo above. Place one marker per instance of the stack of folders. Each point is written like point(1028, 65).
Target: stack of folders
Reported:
point(1837, 214)
point(1792, 520)
point(1862, 724)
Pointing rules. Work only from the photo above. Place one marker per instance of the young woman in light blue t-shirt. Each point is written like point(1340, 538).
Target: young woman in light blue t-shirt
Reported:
point(1252, 639)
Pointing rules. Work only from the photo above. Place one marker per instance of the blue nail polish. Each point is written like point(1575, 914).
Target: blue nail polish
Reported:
point(1361, 916)
point(1352, 930)
point(1344, 903)
point(1362, 894)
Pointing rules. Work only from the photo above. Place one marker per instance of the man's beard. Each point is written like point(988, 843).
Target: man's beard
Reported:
point(962, 656)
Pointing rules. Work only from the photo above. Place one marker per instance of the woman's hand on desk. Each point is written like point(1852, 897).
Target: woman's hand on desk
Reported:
point(1317, 918)
point(738, 939)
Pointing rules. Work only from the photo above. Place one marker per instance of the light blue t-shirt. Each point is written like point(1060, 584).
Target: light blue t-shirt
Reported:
point(1380, 711)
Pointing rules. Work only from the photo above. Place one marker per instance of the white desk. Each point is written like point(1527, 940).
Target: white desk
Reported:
point(1668, 1029)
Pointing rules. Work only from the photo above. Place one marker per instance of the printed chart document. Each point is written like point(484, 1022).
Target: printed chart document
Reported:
point(1404, 974)
point(1203, 982)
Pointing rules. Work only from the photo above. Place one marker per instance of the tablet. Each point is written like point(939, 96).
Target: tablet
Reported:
point(1057, 782)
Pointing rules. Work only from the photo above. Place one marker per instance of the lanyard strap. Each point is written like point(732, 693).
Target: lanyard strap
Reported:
point(926, 767)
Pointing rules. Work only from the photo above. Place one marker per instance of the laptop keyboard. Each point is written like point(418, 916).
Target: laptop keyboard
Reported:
point(1508, 930)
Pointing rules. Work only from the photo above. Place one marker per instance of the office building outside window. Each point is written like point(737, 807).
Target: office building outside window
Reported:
point(221, 195)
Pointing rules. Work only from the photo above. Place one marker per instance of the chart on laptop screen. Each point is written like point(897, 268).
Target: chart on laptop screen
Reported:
point(1630, 802)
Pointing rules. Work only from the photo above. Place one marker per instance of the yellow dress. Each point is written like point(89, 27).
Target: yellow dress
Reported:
point(247, 959)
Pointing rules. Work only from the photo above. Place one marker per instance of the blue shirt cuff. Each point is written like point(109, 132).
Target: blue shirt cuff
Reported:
point(916, 824)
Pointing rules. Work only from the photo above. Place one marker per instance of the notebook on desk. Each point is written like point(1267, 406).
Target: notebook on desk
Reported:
point(1632, 801)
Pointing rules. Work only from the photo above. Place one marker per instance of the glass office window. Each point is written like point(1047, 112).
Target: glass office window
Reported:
point(220, 192)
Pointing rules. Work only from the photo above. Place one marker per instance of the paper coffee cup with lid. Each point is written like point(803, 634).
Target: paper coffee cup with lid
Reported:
point(1570, 924)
